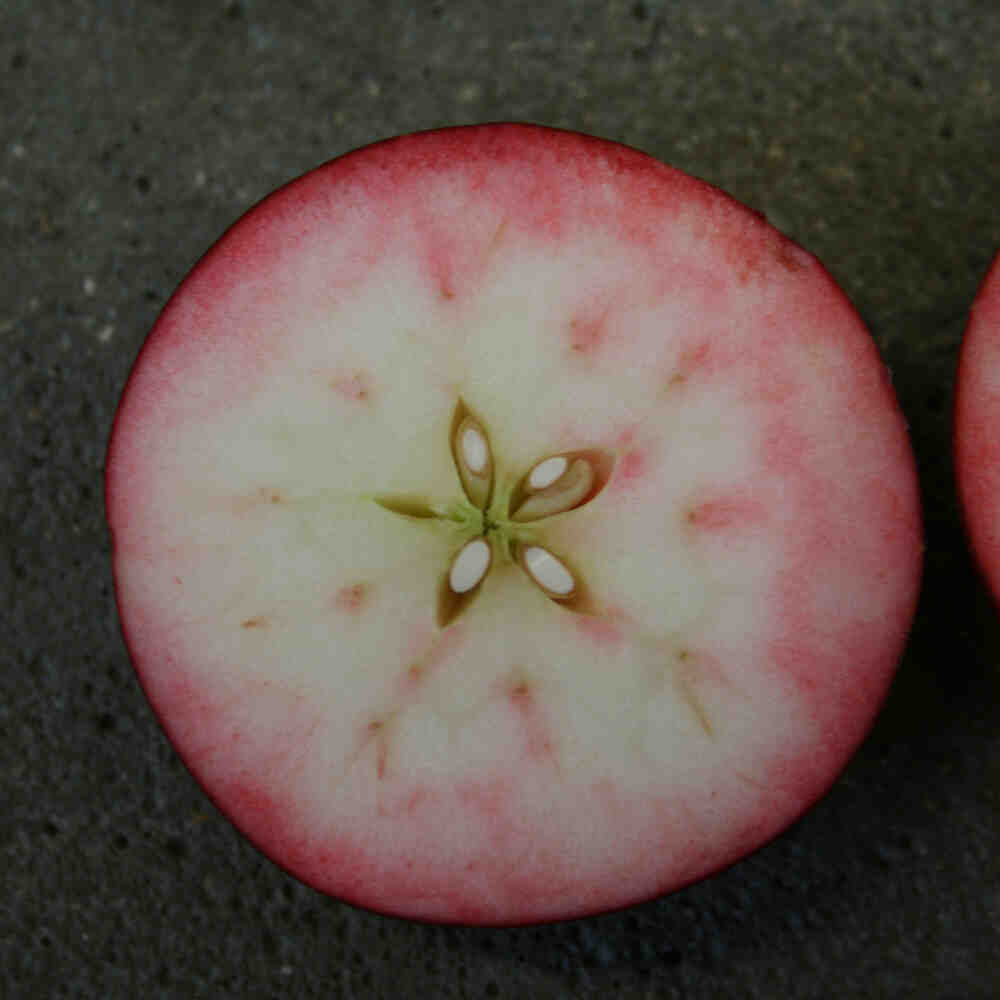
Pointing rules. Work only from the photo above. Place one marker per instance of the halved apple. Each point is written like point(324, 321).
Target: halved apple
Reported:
point(977, 428)
point(509, 527)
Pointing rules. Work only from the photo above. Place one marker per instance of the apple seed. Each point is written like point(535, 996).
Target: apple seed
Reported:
point(470, 566)
point(547, 472)
point(547, 571)
point(474, 449)
point(473, 460)
point(566, 490)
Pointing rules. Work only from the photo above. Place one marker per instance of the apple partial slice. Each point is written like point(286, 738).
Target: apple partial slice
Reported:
point(977, 428)
point(510, 527)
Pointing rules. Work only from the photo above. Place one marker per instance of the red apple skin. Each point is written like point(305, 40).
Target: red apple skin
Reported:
point(398, 859)
point(977, 428)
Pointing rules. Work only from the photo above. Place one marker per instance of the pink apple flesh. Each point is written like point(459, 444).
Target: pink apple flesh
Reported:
point(977, 428)
point(745, 567)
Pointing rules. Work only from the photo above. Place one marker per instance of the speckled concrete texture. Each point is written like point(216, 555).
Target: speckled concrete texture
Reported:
point(134, 132)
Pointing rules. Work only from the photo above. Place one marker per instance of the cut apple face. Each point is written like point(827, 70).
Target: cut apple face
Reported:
point(510, 527)
point(977, 428)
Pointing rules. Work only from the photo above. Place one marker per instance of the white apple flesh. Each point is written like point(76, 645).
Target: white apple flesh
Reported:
point(977, 428)
point(510, 527)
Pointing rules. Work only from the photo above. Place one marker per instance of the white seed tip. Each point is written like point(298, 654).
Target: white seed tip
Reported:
point(474, 449)
point(470, 566)
point(547, 472)
point(547, 571)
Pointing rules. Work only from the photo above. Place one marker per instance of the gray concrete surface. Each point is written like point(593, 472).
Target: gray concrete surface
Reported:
point(134, 132)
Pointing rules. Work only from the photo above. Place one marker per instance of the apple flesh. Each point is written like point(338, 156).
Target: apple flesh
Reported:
point(509, 527)
point(977, 428)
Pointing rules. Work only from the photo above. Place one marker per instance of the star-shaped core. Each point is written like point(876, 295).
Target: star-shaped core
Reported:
point(496, 520)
